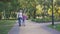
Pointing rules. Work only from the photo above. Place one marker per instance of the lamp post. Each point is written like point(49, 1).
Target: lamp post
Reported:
point(52, 14)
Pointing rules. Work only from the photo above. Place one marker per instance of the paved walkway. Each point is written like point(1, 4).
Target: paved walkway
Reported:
point(33, 28)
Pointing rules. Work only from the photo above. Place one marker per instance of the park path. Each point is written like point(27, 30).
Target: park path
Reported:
point(33, 28)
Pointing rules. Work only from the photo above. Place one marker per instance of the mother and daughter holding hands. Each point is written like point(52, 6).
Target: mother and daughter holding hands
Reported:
point(21, 18)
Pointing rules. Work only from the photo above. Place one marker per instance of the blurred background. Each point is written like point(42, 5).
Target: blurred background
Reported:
point(40, 10)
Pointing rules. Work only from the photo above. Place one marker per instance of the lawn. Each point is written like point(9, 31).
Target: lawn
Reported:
point(6, 25)
point(57, 27)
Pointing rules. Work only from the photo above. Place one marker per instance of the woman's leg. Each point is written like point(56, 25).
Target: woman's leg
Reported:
point(19, 21)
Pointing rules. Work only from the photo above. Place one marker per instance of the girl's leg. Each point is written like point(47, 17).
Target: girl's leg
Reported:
point(24, 22)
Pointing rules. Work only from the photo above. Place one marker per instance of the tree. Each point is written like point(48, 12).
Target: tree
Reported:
point(7, 6)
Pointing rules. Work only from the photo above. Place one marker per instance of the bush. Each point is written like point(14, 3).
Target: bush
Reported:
point(56, 19)
point(33, 19)
point(38, 20)
point(47, 19)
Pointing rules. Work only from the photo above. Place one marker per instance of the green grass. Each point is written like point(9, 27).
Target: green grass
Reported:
point(57, 27)
point(6, 25)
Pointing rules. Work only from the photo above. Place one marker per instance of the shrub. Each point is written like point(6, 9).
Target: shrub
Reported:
point(38, 20)
point(33, 19)
point(47, 19)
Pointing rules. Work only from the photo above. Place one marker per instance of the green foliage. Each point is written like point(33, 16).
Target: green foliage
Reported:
point(58, 2)
point(0, 15)
point(13, 5)
point(8, 7)
point(1, 6)
point(5, 0)
point(13, 15)
point(30, 7)
point(45, 20)
point(7, 16)
point(32, 19)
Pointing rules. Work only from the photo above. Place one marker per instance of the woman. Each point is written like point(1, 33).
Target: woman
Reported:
point(19, 16)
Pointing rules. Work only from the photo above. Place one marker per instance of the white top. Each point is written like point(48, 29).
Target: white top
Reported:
point(19, 15)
